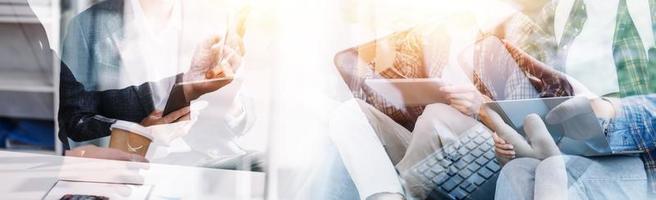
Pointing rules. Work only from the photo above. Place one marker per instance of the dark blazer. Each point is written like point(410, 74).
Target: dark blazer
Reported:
point(85, 113)
point(90, 60)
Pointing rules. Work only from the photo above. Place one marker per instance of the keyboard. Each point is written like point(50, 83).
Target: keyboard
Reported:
point(460, 169)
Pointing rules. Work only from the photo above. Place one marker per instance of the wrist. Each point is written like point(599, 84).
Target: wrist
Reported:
point(189, 93)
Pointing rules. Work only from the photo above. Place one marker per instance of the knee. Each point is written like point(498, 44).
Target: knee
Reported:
point(453, 119)
point(518, 167)
point(552, 166)
point(553, 160)
point(440, 110)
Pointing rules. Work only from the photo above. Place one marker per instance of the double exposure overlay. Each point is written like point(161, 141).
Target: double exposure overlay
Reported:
point(328, 99)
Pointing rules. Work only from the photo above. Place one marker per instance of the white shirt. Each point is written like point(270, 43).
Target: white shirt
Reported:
point(590, 56)
point(151, 55)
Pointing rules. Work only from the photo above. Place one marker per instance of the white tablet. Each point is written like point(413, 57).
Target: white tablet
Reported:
point(409, 92)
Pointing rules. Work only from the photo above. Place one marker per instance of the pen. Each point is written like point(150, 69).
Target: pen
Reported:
point(222, 58)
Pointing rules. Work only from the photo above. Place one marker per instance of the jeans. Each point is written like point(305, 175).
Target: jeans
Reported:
point(634, 127)
point(611, 177)
point(616, 177)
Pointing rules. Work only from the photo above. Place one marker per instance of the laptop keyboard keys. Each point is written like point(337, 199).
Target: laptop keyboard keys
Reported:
point(485, 173)
point(458, 193)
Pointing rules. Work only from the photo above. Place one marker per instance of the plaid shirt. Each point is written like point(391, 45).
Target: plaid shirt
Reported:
point(631, 61)
point(408, 63)
point(636, 69)
point(413, 59)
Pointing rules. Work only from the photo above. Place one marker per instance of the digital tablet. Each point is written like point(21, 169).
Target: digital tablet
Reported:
point(176, 98)
point(513, 112)
point(409, 92)
point(566, 134)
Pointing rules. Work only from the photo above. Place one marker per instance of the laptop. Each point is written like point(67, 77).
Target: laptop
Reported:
point(513, 113)
point(466, 169)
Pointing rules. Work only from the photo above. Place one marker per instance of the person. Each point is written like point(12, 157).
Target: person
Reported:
point(85, 115)
point(623, 41)
point(92, 100)
point(135, 56)
point(539, 171)
point(409, 134)
point(120, 43)
point(614, 38)
point(628, 124)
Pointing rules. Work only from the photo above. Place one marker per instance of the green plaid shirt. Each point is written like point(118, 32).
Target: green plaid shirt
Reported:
point(636, 68)
point(633, 64)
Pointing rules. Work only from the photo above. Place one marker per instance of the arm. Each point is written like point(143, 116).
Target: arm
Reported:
point(85, 115)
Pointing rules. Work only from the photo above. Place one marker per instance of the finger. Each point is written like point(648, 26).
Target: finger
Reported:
point(228, 62)
point(502, 144)
point(568, 110)
point(461, 102)
point(508, 147)
point(175, 115)
point(216, 57)
point(214, 72)
point(497, 139)
point(505, 153)
point(185, 117)
point(505, 156)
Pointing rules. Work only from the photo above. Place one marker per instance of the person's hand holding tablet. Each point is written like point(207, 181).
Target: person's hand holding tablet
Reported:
point(212, 67)
point(464, 98)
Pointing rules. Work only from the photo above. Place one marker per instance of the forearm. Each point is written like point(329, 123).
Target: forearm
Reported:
point(84, 128)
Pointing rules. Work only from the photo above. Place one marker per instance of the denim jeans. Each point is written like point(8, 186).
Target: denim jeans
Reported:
point(634, 125)
point(612, 177)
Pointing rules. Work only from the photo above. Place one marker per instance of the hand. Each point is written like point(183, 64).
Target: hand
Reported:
point(205, 65)
point(464, 98)
point(504, 150)
point(548, 81)
point(156, 117)
point(90, 151)
point(541, 144)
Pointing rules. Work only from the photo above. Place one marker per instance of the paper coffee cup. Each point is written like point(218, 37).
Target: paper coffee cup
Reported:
point(130, 137)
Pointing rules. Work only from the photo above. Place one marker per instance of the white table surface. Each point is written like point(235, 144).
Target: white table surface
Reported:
point(30, 176)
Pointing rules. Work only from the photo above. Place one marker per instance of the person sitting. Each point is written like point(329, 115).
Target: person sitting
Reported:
point(409, 134)
point(540, 171)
